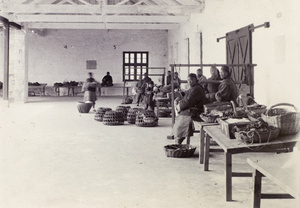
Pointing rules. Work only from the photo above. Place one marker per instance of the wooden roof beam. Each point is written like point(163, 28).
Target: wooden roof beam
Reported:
point(102, 26)
point(98, 18)
point(110, 9)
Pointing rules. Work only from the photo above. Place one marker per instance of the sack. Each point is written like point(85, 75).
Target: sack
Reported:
point(128, 100)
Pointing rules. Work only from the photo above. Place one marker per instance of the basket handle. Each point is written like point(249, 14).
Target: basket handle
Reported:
point(280, 104)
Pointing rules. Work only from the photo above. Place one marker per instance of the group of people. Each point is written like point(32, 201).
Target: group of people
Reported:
point(219, 88)
point(145, 92)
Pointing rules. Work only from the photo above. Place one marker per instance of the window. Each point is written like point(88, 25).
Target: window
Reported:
point(134, 65)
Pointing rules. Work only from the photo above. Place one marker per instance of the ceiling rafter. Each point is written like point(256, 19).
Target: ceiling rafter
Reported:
point(159, 14)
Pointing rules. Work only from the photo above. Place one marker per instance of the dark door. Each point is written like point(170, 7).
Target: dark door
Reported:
point(239, 51)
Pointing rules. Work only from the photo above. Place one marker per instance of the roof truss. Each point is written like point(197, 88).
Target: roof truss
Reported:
point(103, 14)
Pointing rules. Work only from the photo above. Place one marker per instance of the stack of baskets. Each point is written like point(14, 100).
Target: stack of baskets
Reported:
point(288, 121)
point(100, 113)
point(179, 150)
point(146, 119)
point(131, 115)
point(84, 107)
point(123, 110)
point(112, 118)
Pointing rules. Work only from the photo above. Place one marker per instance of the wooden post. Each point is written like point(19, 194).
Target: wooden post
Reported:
point(172, 97)
point(6, 59)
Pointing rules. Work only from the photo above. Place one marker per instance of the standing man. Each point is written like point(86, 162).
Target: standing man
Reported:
point(190, 105)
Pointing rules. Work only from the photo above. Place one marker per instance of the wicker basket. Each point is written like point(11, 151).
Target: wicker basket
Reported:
point(131, 115)
point(84, 107)
point(146, 119)
point(100, 113)
point(164, 112)
point(179, 150)
point(112, 118)
point(123, 110)
point(287, 121)
point(209, 118)
point(257, 136)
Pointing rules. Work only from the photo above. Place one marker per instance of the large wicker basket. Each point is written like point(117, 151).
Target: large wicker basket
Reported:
point(131, 115)
point(179, 150)
point(112, 118)
point(123, 110)
point(146, 119)
point(100, 113)
point(84, 107)
point(286, 120)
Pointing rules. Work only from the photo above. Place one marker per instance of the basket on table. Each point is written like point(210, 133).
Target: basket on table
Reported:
point(286, 120)
point(131, 115)
point(146, 119)
point(257, 135)
point(209, 118)
point(100, 113)
point(123, 110)
point(84, 107)
point(179, 150)
point(112, 118)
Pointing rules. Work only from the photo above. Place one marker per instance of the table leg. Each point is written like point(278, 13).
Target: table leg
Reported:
point(157, 108)
point(228, 175)
point(257, 176)
point(201, 153)
point(206, 153)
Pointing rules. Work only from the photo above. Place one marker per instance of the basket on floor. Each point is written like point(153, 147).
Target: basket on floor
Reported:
point(146, 119)
point(164, 112)
point(257, 136)
point(84, 107)
point(112, 118)
point(179, 150)
point(131, 115)
point(123, 110)
point(100, 113)
point(286, 120)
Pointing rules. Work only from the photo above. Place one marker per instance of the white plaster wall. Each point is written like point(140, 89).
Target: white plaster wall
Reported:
point(61, 54)
point(275, 50)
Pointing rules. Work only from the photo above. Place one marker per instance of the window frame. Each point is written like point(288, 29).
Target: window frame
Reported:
point(133, 66)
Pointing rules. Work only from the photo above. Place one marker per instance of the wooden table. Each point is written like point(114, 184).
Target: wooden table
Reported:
point(280, 169)
point(40, 88)
point(233, 146)
point(199, 125)
point(71, 90)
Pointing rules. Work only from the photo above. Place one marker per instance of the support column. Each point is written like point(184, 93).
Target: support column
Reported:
point(18, 74)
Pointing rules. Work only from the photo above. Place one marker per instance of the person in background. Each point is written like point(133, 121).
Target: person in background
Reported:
point(191, 104)
point(141, 87)
point(149, 103)
point(176, 81)
point(212, 87)
point(201, 78)
point(107, 80)
point(168, 77)
point(89, 89)
point(227, 90)
point(146, 78)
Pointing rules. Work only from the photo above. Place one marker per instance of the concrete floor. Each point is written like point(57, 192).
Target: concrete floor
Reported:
point(54, 157)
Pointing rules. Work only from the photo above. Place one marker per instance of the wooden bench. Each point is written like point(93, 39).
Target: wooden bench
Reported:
point(115, 90)
point(280, 169)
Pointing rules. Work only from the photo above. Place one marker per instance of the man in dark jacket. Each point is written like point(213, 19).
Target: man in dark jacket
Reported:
point(227, 90)
point(190, 105)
